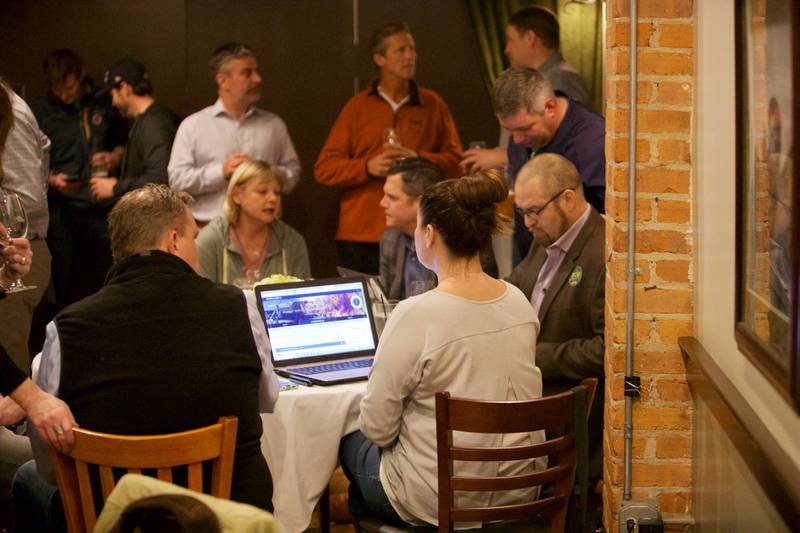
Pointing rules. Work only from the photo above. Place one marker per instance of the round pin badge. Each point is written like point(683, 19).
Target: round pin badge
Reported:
point(576, 276)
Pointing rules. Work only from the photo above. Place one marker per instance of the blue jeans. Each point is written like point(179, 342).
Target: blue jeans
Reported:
point(361, 462)
point(37, 505)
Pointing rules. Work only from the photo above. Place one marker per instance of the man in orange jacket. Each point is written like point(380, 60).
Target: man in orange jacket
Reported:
point(391, 119)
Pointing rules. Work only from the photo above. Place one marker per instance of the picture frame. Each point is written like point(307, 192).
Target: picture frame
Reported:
point(768, 189)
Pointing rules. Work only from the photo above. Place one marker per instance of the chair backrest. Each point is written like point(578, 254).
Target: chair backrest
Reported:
point(556, 412)
point(127, 453)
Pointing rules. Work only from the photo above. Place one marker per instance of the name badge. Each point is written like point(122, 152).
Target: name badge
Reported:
point(576, 276)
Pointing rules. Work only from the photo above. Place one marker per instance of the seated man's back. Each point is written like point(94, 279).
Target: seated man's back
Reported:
point(160, 349)
point(163, 353)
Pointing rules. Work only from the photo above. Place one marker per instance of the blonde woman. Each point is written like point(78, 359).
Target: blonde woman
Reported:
point(249, 242)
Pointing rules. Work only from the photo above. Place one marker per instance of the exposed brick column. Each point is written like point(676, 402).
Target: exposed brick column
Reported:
point(664, 251)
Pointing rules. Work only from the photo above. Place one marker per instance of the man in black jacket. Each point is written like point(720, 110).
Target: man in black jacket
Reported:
point(564, 277)
point(159, 349)
point(150, 139)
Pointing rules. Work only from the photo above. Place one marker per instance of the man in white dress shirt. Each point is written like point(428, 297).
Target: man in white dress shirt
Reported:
point(211, 143)
point(24, 168)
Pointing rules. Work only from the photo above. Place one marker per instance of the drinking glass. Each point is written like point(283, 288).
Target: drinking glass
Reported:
point(390, 137)
point(97, 169)
point(14, 221)
point(381, 310)
point(249, 279)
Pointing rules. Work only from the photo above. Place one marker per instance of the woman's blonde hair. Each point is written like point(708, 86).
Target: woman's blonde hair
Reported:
point(244, 174)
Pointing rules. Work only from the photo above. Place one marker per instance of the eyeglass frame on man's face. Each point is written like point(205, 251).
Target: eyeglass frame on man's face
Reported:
point(536, 211)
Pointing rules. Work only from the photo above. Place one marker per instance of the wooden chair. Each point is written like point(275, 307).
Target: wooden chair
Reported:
point(215, 443)
point(556, 412)
point(548, 413)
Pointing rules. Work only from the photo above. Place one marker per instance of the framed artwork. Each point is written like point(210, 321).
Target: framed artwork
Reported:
point(767, 189)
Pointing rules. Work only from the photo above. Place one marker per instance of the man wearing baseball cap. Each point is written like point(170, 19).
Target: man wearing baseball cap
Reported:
point(151, 136)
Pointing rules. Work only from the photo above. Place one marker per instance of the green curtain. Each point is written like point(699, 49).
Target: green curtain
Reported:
point(581, 37)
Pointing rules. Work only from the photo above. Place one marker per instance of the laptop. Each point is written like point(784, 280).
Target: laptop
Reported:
point(321, 331)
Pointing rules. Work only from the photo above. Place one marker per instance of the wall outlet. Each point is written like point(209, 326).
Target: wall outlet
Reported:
point(640, 516)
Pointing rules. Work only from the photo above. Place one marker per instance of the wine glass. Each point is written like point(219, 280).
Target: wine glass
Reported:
point(250, 277)
point(15, 222)
point(390, 138)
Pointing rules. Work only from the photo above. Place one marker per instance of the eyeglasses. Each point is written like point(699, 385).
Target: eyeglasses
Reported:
point(535, 211)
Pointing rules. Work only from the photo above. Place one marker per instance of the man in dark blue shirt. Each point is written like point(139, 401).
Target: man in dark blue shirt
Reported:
point(88, 137)
point(543, 121)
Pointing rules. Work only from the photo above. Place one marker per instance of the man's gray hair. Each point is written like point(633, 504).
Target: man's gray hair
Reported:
point(226, 53)
point(141, 218)
point(518, 88)
point(555, 171)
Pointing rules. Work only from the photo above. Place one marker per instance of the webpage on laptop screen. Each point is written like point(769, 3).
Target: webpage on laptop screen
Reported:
point(317, 321)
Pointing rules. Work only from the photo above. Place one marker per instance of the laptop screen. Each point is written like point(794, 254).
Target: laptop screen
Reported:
point(317, 320)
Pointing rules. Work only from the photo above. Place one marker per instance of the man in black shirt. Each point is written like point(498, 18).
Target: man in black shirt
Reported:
point(159, 349)
point(86, 134)
point(150, 139)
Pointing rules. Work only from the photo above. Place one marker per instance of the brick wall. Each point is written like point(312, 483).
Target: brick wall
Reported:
point(664, 299)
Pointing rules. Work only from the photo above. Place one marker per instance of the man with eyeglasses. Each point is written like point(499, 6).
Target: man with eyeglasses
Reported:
point(543, 121)
point(213, 142)
point(563, 275)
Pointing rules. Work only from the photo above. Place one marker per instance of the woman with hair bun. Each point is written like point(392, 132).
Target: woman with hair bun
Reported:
point(473, 336)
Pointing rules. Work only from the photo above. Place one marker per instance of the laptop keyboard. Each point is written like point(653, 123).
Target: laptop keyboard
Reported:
point(332, 367)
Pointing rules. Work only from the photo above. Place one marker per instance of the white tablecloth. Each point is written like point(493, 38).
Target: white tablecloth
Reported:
point(301, 445)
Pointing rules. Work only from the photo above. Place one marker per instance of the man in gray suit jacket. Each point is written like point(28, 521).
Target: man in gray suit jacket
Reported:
point(564, 277)
point(401, 273)
point(564, 272)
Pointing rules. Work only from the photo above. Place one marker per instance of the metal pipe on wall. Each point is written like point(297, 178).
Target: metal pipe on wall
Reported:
point(628, 424)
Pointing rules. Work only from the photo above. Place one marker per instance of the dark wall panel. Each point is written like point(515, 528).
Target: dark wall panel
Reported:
point(13, 51)
point(305, 52)
point(102, 32)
